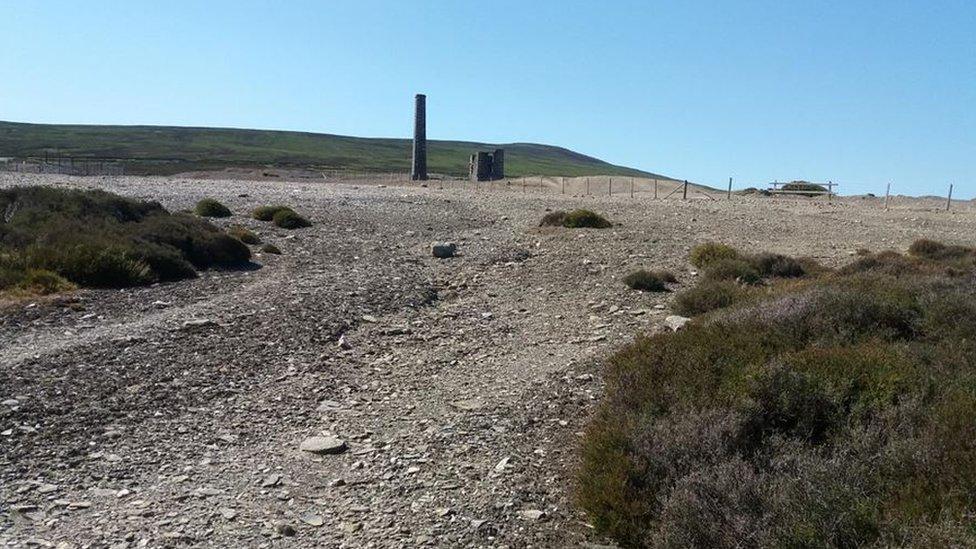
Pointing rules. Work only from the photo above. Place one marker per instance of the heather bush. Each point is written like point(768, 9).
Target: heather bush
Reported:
point(834, 411)
point(704, 254)
point(776, 265)
point(930, 249)
point(576, 219)
point(736, 270)
point(208, 207)
point(270, 249)
point(289, 219)
point(709, 295)
point(244, 235)
point(649, 281)
point(553, 219)
point(267, 213)
point(98, 239)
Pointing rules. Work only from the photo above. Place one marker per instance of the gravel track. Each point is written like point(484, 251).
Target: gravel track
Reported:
point(171, 415)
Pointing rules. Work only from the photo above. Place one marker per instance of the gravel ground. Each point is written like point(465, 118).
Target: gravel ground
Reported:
point(172, 415)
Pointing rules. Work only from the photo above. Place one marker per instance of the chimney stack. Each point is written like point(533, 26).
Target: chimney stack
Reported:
point(418, 169)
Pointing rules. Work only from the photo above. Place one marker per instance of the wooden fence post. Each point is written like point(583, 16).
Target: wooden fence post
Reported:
point(730, 189)
point(887, 194)
point(949, 199)
point(587, 186)
point(632, 187)
point(562, 184)
point(655, 189)
point(684, 193)
point(610, 187)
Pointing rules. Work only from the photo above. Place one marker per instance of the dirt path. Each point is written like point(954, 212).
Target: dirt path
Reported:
point(172, 415)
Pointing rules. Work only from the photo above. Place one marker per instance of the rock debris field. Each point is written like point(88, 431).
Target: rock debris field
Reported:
point(357, 391)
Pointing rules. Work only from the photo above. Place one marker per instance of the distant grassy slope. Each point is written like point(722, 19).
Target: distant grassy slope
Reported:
point(164, 149)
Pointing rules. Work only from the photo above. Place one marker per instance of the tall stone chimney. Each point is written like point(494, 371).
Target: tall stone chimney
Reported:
point(418, 169)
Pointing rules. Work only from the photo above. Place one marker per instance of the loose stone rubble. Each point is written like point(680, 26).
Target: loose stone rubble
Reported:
point(174, 414)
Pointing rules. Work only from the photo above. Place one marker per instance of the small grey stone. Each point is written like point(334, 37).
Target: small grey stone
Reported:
point(532, 514)
point(198, 323)
point(328, 406)
point(443, 250)
point(312, 520)
point(323, 445)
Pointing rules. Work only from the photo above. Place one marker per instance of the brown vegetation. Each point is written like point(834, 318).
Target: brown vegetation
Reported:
point(835, 411)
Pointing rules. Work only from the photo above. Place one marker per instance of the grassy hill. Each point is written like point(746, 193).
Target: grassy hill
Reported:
point(166, 149)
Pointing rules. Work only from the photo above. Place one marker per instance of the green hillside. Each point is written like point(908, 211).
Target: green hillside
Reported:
point(165, 149)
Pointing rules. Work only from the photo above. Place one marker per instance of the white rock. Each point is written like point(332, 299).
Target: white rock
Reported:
point(675, 322)
point(323, 445)
point(532, 514)
point(198, 323)
point(312, 520)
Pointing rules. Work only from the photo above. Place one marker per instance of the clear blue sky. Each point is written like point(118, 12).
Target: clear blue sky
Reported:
point(854, 91)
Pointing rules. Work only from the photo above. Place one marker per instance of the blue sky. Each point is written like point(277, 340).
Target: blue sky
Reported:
point(858, 92)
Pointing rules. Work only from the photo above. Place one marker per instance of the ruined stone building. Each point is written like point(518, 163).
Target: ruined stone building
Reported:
point(487, 166)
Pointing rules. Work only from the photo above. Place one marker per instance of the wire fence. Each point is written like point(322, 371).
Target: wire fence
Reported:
point(658, 189)
point(65, 166)
point(580, 186)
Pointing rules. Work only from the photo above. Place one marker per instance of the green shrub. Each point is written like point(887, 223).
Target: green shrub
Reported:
point(17, 278)
point(930, 249)
point(97, 239)
point(708, 296)
point(837, 411)
point(736, 270)
point(704, 254)
point(553, 219)
point(289, 219)
point(244, 235)
point(208, 207)
point(267, 213)
point(585, 219)
point(666, 276)
point(42, 282)
point(777, 265)
point(649, 281)
point(576, 219)
point(270, 249)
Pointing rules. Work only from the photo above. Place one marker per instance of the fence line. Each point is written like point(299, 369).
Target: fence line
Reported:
point(580, 186)
point(65, 166)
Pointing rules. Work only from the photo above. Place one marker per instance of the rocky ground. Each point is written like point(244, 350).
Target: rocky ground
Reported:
point(453, 390)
